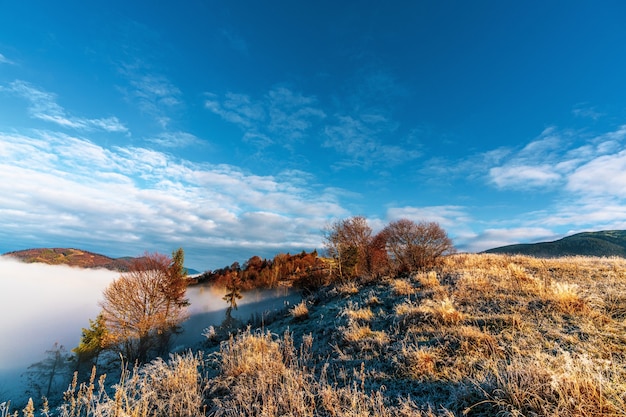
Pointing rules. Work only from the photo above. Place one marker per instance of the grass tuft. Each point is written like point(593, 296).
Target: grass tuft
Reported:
point(300, 311)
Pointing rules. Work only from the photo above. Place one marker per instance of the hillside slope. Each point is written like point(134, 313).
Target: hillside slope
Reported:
point(71, 257)
point(483, 335)
point(604, 243)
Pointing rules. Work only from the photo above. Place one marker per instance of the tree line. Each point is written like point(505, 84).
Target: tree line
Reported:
point(145, 306)
point(298, 270)
point(351, 250)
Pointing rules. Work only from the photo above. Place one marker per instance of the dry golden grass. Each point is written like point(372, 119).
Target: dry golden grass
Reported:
point(358, 314)
point(356, 332)
point(567, 297)
point(348, 288)
point(408, 310)
point(428, 280)
point(484, 335)
point(300, 311)
point(288, 388)
point(548, 385)
point(418, 362)
point(402, 287)
point(175, 388)
point(444, 312)
point(373, 300)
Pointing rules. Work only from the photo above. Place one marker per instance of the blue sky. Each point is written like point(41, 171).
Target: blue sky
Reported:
point(241, 128)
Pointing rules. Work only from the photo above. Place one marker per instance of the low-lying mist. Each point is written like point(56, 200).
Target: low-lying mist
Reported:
point(41, 305)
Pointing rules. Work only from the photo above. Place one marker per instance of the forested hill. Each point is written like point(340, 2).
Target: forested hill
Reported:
point(602, 243)
point(71, 257)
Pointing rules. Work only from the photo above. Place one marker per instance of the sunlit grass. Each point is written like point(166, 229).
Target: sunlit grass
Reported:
point(483, 335)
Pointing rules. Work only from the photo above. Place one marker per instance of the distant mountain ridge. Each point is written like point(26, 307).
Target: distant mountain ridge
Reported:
point(71, 257)
point(77, 258)
point(602, 243)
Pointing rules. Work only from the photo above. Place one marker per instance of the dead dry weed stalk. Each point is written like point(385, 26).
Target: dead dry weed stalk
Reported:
point(159, 389)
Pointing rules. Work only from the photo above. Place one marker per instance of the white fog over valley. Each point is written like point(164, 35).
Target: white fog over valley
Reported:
point(41, 305)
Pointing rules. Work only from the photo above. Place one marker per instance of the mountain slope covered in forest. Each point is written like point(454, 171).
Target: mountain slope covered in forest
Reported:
point(603, 243)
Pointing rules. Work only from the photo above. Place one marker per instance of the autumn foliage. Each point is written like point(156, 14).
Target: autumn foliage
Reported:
point(304, 270)
point(144, 306)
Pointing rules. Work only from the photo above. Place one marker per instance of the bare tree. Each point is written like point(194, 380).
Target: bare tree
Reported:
point(50, 375)
point(347, 241)
point(142, 303)
point(414, 246)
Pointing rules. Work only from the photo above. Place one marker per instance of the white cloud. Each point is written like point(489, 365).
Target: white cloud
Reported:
point(604, 175)
point(176, 140)
point(43, 106)
point(521, 176)
point(583, 110)
point(447, 216)
point(564, 159)
point(359, 139)
point(493, 238)
point(279, 117)
point(61, 189)
point(5, 60)
point(591, 176)
point(534, 166)
point(153, 93)
point(238, 109)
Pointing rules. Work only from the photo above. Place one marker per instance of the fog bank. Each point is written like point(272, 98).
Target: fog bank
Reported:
point(42, 304)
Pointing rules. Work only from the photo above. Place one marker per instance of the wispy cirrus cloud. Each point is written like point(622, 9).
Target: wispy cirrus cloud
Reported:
point(359, 140)
point(5, 60)
point(583, 110)
point(238, 109)
point(235, 41)
point(590, 173)
point(69, 191)
point(43, 106)
point(362, 135)
point(280, 117)
point(363, 130)
point(584, 175)
point(524, 176)
point(448, 216)
point(536, 165)
point(154, 94)
point(554, 159)
point(604, 175)
point(176, 140)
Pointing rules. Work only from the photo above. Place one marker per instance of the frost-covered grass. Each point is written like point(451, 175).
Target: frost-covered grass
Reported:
point(483, 335)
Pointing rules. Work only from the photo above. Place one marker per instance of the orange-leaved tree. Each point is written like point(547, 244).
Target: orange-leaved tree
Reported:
point(145, 303)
